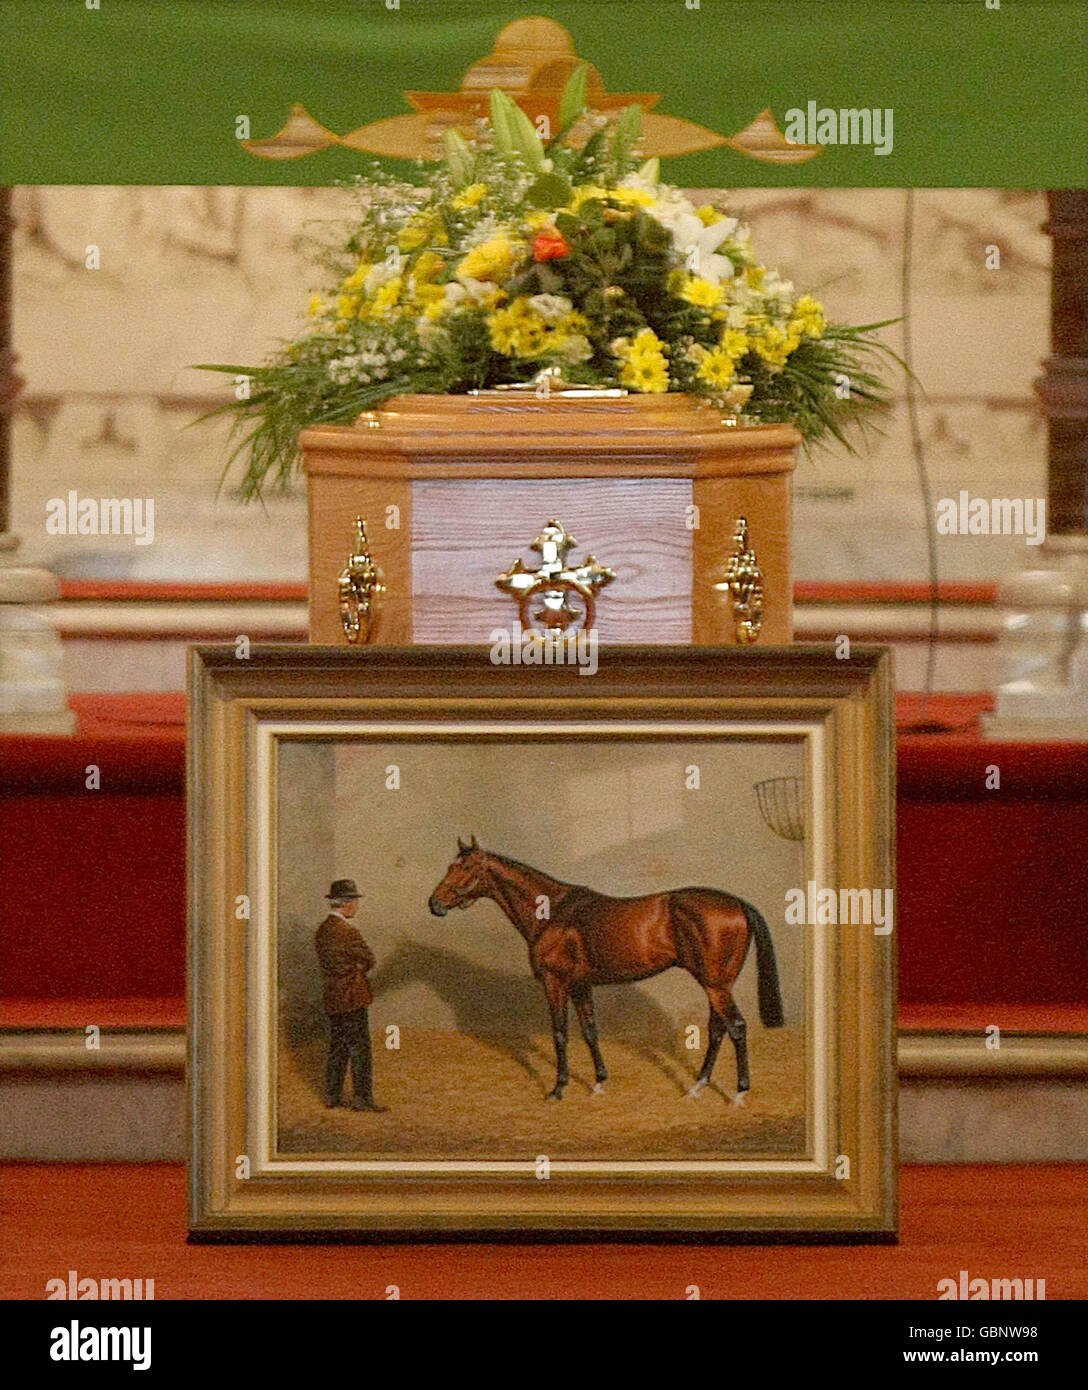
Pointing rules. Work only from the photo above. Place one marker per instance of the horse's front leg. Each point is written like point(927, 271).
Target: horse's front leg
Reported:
point(557, 994)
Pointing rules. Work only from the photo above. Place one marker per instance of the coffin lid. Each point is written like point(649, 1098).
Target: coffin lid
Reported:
point(503, 431)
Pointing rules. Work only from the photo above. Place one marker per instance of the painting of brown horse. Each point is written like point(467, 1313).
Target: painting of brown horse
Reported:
point(578, 938)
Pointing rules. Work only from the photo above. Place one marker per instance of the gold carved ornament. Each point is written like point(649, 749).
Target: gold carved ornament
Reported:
point(360, 588)
point(531, 61)
point(743, 583)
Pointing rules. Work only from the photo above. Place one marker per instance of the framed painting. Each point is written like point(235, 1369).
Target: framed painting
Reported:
point(502, 951)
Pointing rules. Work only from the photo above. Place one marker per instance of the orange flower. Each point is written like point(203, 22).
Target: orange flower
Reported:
point(550, 245)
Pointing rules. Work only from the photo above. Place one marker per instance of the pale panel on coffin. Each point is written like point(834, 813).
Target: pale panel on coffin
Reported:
point(464, 534)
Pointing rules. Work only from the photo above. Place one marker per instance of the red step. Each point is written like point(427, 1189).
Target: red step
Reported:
point(991, 888)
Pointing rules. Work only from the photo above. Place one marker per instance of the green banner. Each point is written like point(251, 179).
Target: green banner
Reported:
point(851, 93)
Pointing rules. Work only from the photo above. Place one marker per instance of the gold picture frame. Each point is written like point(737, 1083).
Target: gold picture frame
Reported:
point(249, 712)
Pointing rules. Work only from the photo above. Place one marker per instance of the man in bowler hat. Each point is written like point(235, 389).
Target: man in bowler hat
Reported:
point(345, 959)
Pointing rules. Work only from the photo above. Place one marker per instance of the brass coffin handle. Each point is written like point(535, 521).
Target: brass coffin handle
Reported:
point(360, 588)
point(743, 583)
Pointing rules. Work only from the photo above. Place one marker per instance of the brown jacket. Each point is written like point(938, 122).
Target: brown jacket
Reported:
point(344, 958)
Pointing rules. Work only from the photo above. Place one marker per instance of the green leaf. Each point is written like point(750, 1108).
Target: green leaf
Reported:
point(651, 170)
point(459, 159)
point(585, 164)
point(549, 191)
point(515, 133)
point(527, 142)
point(628, 129)
point(500, 121)
point(575, 95)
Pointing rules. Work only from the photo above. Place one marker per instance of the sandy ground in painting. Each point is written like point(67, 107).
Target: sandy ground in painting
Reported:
point(451, 1095)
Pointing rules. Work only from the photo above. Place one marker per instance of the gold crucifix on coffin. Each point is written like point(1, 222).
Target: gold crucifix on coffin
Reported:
point(532, 60)
point(566, 593)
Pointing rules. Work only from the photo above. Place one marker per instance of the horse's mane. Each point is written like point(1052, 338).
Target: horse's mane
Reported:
point(512, 863)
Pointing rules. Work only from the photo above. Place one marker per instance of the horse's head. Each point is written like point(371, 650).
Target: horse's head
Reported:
point(464, 881)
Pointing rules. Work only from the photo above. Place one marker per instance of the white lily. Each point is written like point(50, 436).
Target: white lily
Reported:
point(696, 243)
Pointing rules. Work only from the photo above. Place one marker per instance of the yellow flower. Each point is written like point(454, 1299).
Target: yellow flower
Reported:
point(647, 341)
point(774, 345)
point(316, 307)
point(354, 282)
point(469, 197)
point(427, 266)
point(412, 236)
point(717, 368)
point(648, 374)
point(629, 197)
point(519, 330)
point(584, 193)
point(491, 298)
point(754, 275)
point(644, 367)
point(435, 308)
point(704, 294)
point(735, 343)
point(347, 306)
point(506, 327)
point(429, 294)
point(488, 261)
point(384, 300)
point(808, 317)
point(708, 215)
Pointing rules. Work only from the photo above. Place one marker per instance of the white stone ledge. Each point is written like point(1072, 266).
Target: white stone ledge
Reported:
point(168, 619)
point(946, 1055)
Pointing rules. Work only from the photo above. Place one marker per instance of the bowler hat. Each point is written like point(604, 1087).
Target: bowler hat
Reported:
point(343, 888)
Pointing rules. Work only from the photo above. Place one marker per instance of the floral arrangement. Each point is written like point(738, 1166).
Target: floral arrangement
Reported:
point(514, 256)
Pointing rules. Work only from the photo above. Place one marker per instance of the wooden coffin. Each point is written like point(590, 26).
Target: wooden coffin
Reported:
point(453, 489)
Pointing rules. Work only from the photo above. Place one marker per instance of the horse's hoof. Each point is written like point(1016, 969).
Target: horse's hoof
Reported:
point(554, 1095)
point(598, 1089)
point(738, 1099)
point(697, 1089)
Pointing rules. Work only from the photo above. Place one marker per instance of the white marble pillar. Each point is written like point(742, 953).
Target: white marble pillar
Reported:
point(32, 694)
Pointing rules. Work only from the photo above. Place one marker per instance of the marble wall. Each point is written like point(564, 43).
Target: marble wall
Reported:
point(219, 274)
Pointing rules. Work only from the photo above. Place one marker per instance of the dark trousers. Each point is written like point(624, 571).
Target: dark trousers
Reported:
point(349, 1040)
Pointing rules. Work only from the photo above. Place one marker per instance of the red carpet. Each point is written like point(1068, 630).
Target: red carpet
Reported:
point(991, 889)
point(129, 1221)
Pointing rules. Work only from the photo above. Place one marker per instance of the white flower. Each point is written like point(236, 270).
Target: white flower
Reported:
point(642, 185)
point(455, 293)
point(474, 289)
point(345, 370)
point(575, 348)
point(484, 230)
point(551, 307)
point(776, 288)
point(696, 244)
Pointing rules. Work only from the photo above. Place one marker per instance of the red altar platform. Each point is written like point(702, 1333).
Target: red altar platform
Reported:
point(131, 1217)
point(992, 884)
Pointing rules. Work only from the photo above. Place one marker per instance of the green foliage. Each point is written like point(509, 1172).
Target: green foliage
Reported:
point(459, 158)
point(573, 101)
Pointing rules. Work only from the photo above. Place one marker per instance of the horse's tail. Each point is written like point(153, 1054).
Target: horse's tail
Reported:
point(771, 1013)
